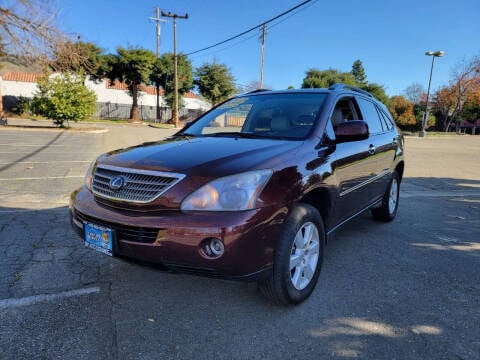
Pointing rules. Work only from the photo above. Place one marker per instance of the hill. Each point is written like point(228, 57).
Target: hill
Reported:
point(11, 63)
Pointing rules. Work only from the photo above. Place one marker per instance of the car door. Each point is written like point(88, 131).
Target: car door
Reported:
point(380, 148)
point(352, 166)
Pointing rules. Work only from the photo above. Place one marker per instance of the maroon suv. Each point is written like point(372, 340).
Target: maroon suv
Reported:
point(251, 190)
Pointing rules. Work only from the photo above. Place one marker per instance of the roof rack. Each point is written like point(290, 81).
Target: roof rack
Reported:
point(341, 86)
point(257, 90)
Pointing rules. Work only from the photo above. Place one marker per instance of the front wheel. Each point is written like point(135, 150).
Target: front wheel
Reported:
point(298, 257)
point(388, 210)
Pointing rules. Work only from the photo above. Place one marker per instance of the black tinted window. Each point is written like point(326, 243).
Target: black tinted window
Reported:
point(370, 116)
point(388, 122)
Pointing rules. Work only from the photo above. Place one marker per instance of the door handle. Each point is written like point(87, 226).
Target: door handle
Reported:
point(371, 149)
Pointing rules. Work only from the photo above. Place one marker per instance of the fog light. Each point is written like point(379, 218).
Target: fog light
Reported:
point(213, 247)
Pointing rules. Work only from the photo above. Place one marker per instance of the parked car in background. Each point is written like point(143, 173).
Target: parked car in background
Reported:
point(253, 189)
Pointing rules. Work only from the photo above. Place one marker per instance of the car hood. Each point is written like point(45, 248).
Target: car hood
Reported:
point(204, 156)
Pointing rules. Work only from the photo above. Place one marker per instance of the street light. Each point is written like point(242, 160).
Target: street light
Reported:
point(433, 54)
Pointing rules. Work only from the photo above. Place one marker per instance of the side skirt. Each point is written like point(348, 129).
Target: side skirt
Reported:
point(337, 227)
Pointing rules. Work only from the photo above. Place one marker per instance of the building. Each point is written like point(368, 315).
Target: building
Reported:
point(113, 100)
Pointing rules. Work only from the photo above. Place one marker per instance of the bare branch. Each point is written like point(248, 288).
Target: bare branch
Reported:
point(27, 26)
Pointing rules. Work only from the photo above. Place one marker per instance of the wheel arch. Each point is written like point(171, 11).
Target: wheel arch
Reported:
point(320, 199)
point(399, 169)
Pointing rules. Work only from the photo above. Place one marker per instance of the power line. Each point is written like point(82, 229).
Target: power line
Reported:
point(253, 28)
point(274, 24)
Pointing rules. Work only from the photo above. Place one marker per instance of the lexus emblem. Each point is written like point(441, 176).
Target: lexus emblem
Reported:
point(116, 183)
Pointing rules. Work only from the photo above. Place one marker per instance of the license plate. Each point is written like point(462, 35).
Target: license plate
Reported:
point(99, 238)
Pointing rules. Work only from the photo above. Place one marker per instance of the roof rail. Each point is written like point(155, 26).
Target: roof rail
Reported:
point(341, 86)
point(257, 90)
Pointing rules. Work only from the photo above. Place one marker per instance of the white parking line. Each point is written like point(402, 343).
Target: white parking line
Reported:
point(31, 300)
point(48, 162)
point(60, 203)
point(45, 178)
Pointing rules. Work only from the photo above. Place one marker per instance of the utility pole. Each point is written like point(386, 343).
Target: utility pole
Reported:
point(158, 28)
point(264, 32)
point(175, 63)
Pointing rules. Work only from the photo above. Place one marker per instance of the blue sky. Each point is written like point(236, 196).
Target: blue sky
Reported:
point(389, 37)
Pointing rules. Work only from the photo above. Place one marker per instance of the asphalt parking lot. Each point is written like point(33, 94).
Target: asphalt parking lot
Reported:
point(404, 290)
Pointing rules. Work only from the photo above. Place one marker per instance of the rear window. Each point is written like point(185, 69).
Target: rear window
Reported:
point(287, 116)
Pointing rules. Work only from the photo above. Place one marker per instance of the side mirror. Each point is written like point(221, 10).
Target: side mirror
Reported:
point(352, 130)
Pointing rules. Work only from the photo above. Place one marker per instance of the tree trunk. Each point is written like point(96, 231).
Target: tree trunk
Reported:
point(134, 114)
point(449, 123)
point(158, 102)
point(174, 116)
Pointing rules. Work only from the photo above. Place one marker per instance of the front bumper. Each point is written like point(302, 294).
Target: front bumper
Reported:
point(174, 238)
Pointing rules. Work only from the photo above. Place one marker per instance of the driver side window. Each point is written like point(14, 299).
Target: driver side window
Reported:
point(346, 109)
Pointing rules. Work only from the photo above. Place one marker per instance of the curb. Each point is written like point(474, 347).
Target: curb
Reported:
point(161, 128)
point(50, 128)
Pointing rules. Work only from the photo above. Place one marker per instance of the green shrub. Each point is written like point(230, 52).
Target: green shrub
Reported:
point(22, 106)
point(64, 98)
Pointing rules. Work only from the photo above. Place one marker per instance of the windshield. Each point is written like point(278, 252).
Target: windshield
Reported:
point(285, 116)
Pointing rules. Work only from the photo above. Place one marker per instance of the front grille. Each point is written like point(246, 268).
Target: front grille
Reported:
point(123, 232)
point(132, 185)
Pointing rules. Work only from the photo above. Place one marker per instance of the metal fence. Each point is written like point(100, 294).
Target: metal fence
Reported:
point(147, 113)
point(113, 111)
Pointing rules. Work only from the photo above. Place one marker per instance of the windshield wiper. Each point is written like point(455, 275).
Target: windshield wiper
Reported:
point(230, 134)
point(246, 135)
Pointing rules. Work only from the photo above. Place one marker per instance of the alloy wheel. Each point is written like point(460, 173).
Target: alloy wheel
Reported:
point(393, 198)
point(304, 255)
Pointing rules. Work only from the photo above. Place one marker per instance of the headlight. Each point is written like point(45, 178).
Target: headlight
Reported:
point(230, 193)
point(89, 175)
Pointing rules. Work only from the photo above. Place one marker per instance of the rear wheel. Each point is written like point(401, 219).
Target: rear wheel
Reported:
point(388, 210)
point(298, 257)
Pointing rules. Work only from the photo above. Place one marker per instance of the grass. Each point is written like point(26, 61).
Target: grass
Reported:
point(105, 121)
point(431, 133)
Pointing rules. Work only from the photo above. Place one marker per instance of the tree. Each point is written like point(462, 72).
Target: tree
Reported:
point(215, 82)
point(444, 105)
point(471, 108)
point(358, 72)
point(2, 47)
point(78, 57)
point(415, 93)
point(325, 78)
point(27, 28)
point(134, 67)
point(255, 85)
point(162, 74)
point(450, 100)
point(315, 78)
point(376, 90)
point(64, 98)
point(403, 113)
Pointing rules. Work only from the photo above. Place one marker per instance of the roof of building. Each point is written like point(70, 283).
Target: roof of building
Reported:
point(116, 85)
point(21, 77)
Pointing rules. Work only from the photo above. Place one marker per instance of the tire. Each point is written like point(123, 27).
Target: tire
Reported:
point(298, 257)
point(388, 210)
